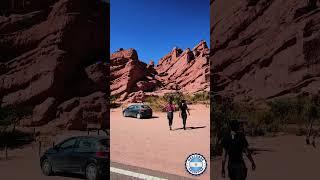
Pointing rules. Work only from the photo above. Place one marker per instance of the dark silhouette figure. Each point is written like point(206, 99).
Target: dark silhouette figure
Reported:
point(183, 113)
point(170, 109)
point(234, 145)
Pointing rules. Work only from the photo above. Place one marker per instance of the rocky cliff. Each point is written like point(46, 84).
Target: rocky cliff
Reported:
point(264, 49)
point(52, 57)
point(186, 71)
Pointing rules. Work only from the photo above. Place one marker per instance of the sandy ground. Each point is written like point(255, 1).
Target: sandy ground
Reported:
point(280, 158)
point(148, 143)
point(24, 163)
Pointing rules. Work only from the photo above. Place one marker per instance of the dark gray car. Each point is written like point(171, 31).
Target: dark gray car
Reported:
point(138, 111)
point(86, 155)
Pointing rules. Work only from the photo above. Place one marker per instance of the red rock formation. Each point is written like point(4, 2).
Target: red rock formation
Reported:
point(50, 48)
point(262, 52)
point(75, 113)
point(179, 70)
point(128, 74)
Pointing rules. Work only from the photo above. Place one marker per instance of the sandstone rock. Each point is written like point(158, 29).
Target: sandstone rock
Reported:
point(98, 75)
point(44, 112)
point(146, 86)
point(75, 113)
point(49, 50)
point(125, 54)
point(44, 59)
point(179, 70)
point(136, 97)
point(127, 71)
point(259, 52)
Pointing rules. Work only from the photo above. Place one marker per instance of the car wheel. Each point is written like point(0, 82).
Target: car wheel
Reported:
point(46, 168)
point(92, 172)
point(139, 116)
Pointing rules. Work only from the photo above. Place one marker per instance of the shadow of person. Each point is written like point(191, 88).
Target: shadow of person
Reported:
point(256, 151)
point(190, 128)
point(153, 117)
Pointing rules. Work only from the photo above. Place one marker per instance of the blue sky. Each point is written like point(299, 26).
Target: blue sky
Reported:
point(154, 27)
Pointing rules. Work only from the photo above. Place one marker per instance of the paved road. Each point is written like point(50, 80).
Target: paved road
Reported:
point(126, 172)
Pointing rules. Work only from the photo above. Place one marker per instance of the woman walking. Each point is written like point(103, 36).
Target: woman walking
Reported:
point(234, 145)
point(170, 109)
point(183, 113)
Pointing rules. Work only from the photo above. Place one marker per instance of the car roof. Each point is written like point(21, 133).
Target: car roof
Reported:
point(99, 137)
point(138, 105)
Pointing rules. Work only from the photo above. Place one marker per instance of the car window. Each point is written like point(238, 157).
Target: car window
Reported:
point(131, 107)
point(68, 144)
point(103, 145)
point(145, 107)
point(87, 145)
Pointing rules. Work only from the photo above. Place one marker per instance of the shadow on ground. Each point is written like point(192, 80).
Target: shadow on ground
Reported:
point(190, 128)
point(255, 151)
point(69, 175)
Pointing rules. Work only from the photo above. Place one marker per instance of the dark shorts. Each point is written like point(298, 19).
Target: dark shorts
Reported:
point(237, 171)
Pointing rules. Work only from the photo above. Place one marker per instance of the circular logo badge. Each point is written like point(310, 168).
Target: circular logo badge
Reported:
point(196, 164)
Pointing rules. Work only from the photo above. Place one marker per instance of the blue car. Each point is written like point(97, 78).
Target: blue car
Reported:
point(138, 111)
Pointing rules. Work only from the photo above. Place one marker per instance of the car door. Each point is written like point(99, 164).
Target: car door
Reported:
point(62, 160)
point(130, 110)
point(84, 151)
point(135, 110)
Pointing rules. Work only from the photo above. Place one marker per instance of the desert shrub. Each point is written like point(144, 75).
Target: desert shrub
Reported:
point(176, 97)
point(9, 113)
point(275, 117)
point(156, 103)
point(199, 97)
point(15, 139)
point(12, 114)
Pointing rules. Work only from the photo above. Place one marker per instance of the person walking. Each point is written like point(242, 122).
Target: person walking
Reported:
point(170, 109)
point(183, 113)
point(234, 145)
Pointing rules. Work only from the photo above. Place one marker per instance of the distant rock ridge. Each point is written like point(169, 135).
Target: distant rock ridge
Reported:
point(186, 71)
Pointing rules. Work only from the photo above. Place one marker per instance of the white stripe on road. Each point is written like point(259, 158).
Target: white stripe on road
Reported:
point(133, 174)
